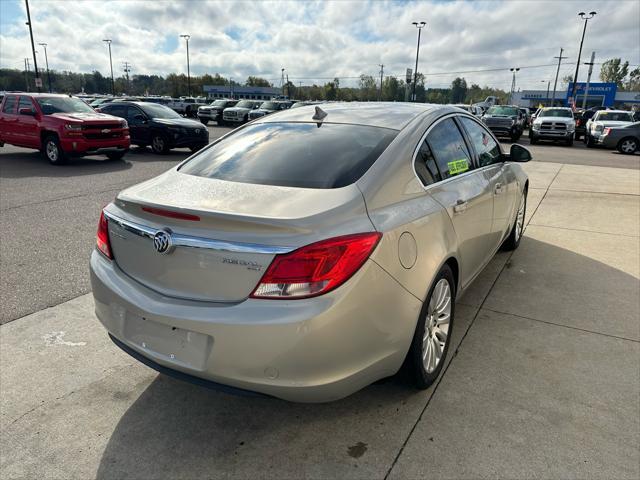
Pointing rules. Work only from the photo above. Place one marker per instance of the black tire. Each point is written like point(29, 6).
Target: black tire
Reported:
point(588, 140)
point(187, 112)
point(569, 142)
point(533, 139)
point(628, 145)
point(159, 144)
point(115, 155)
point(420, 376)
point(513, 240)
point(204, 121)
point(52, 150)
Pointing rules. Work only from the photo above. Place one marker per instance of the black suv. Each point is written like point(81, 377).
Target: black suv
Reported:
point(583, 118)
point(159, 126)
point(213, 112)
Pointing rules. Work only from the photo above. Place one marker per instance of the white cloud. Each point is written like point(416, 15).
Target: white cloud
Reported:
point(322, 39)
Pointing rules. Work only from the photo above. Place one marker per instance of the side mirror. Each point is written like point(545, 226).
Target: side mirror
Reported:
point(27, 111)
point(519, 154)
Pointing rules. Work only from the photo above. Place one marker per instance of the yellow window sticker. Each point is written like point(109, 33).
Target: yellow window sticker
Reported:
point(457, 166)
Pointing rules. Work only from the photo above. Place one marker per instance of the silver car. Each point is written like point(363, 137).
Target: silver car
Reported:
point(311, 252)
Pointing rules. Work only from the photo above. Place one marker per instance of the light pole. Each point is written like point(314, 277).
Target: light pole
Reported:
point(186, 38)
point(546, 98)
point(33, 48)
point(46, 59)
point(513, 83)
point(113, 85)
point(419, 26)
point(586, 18)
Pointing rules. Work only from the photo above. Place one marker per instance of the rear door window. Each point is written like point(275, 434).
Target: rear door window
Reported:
point(116, 110)
point(486, 147)
point(293, 154)
point(10, 104)
point(449, 149)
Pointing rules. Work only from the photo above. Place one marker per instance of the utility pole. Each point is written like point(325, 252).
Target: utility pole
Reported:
point(282, 81)
point(127, 68)
point(513, 83)
point(113, 84)
point(419, 26)
point(288, 92)
point(186, 38)
point(38, 80)
point(555, 83)
point(575, 77)
point(586, 88)
point(381, 74)
point(46, 59)
point(26, 72)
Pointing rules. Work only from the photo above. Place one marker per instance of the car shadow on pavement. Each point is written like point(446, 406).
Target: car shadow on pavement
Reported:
point(175, 429)
point(32, 164)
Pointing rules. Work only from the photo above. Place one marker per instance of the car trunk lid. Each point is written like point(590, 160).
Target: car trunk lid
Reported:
point(221, 235)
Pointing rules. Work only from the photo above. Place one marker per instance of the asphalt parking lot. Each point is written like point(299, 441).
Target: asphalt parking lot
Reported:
point(545, 380)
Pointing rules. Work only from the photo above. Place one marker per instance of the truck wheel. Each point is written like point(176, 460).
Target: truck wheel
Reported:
point(204, 121)
point(588, 140)
point(569, 142)
point(53, 151)
point(159, 144)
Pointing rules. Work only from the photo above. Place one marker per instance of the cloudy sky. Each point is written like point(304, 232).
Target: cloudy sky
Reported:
point(315, 41)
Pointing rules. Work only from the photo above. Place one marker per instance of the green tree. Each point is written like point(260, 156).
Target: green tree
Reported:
point(614, 71)
point(256, 82)
point(458, 90)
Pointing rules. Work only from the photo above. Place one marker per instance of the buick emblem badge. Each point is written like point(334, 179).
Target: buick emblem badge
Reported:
point(162, 241)
point(197, 130)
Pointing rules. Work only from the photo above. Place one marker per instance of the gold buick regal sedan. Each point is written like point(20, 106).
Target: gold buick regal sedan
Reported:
point(310, 252)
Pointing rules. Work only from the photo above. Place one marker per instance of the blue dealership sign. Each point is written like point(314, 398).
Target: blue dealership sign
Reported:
point(606, 91)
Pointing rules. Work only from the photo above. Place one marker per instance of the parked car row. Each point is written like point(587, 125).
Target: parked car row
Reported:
point(237, 112)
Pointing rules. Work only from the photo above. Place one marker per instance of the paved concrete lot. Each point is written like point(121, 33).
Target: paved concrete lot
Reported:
point(545, 380)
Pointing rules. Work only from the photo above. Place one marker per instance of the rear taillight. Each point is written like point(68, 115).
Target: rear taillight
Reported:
point(317, 268)
point(102, 237)
point(606, 131)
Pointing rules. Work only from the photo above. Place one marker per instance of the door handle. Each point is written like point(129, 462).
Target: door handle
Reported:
point(460, 206)
point(499, 189)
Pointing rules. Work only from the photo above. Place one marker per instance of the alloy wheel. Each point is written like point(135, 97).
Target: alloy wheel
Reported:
point(52, 151)
point(520, 218)
point(628, 146)
point(436, 328)
point(158, 144)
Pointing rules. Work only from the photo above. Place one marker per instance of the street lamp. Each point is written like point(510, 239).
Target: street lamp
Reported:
point(586, 18)
point(419, 26)
point(513, 83)
point(546, 98)
point(113, 85)
point(186, 38)
point(46, 59)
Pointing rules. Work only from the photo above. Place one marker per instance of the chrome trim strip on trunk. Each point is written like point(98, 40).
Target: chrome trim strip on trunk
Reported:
point(179, 240)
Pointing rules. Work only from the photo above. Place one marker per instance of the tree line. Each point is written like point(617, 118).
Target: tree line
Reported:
point(175, 85)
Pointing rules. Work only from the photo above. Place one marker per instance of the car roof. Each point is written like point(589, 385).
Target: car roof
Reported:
point(376, 114)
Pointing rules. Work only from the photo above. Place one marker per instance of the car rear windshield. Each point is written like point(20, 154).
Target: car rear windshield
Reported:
point(615, 117)
point(509, 111)
point(293, 154)
point(556, 112)
point(50, 105)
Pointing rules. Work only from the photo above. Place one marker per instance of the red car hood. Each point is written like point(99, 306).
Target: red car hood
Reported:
point(87, 117)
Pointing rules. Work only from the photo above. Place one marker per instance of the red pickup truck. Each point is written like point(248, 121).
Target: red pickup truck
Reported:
point(61, 126)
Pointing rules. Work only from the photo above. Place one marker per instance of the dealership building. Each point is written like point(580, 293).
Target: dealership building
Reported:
point(599, 94)
point(238, 92)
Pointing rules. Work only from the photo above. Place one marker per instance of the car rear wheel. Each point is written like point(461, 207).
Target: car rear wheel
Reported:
point(513, 240)
point(433, 332)
point(53, 151)
point(159, 144)
point(628, 145)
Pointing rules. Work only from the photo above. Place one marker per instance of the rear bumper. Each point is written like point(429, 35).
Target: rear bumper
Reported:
point(80, 146)
point(311, 350)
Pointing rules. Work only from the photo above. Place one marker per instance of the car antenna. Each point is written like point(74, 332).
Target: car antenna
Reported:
point(319, 116)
